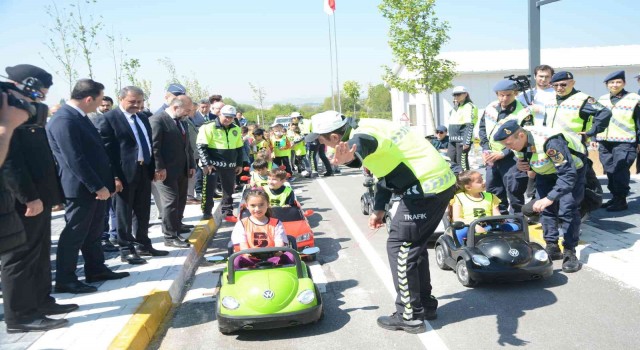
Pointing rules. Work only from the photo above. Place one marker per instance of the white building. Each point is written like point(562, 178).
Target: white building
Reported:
point(478, 71)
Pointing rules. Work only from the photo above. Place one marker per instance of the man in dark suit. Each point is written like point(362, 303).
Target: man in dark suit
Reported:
point(127, 138)
point(174, 165)
point(87, 182)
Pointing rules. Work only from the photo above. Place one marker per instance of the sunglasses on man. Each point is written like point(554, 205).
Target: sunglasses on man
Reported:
point(557, 85)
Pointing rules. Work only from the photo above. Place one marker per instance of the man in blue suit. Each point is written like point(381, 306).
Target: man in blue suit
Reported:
point(87, 182)
point(127, 138)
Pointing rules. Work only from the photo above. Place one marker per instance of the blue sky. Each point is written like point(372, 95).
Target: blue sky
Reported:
point(283, 45)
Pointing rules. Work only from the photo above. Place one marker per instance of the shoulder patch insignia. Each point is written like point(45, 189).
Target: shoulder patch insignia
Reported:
point(591, 100)
point(551, 152)
point(235, 132)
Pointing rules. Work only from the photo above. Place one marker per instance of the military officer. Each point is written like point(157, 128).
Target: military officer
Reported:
point(618, 142)
point(503, 178)
point(558, 160)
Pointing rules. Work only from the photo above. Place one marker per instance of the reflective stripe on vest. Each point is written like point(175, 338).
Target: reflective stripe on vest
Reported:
point(566, 115)
point(540, 162)
point(277, 200)
point(473, 209)
point(396, 145)
point(260, 236)
point(491, 123)
point(621, 126)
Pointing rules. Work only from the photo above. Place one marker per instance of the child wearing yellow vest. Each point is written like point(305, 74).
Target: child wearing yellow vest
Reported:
point(472, 201)
point(279, 193)
point(281, 147)
point(300, 151)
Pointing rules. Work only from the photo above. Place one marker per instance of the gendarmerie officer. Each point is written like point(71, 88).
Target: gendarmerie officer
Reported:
point(558, 159)
point(503, 178)
point(462, 120)
point(618, 142)
point(404, 163)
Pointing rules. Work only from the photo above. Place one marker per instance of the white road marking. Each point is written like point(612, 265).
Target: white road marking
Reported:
point(318, 276)
point(430, 339)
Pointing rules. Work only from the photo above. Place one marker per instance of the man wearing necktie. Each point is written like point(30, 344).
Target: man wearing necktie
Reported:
point(174, 164)
point(127, 138)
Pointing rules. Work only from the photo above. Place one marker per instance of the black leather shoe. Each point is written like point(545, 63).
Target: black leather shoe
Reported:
point(609, 203)
point(187, 226)
point(130, 256)
point(74, 287)
point(38, 325)
point(151, 251)
point(108, 247)
point(184, 229)
point(327, 174)
point(57, 309)
point(176, 242)
point(106, 276)
point(570, 262)
point(217, 195)
point(553, 250)
point(395, 322)
point(207, 216)
point(618, 206)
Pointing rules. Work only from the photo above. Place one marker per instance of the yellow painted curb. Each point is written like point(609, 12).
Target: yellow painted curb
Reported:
point(143, 324)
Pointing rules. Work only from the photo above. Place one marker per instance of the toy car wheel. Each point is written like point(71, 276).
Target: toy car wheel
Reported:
point(440, 257)
point(463, 274)
point(387, 222)
point(225, 330)
point(364, 206)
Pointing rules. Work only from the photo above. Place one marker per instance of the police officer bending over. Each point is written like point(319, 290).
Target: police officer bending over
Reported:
point(618, 143)
point(558, 160)
point(408, 165)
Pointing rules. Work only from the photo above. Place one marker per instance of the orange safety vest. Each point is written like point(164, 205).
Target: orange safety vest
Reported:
point(260, 236)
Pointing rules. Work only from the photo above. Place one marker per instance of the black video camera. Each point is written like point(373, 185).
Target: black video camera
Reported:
point(30, 88)
point(523, 82)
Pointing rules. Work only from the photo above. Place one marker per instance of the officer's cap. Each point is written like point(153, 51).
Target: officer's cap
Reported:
point(23, 71)
point(505, 130)
point(615, 75)
point(505, 85)
point(441, 128)
point(560, 76)
point(459, 89)
point(228, 111)
point(325, 122)
point(296, 115)
point(176, 89)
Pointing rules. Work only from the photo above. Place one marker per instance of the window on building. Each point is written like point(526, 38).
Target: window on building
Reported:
point(413, 115)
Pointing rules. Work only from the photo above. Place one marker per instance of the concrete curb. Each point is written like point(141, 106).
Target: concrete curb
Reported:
point(143, 325)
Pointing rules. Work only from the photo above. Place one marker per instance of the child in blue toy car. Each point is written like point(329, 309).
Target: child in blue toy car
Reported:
point(472, 202)
point(259, 230)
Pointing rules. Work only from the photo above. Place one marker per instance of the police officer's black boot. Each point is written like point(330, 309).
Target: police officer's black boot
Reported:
point(395, 322)
point(609, 203)
point(553, 250)
point(619, 205)
point(570, 262)
point(430, 307)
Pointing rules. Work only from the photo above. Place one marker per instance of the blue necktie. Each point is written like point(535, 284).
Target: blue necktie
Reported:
point(143, 141)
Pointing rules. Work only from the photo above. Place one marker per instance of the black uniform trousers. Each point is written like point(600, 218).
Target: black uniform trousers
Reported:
point(174, 198)
point(507, 183)
point(85, 220)
point(280, 161)
point(413, 222)
point(565, 210)
point(133, 209)
point(227, 178)
point(26, 270)
point(209, 185)
point(616, 159)
point(318, 150)
point(457, 155)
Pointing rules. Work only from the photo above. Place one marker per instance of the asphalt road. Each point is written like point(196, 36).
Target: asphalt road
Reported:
point(585, 310)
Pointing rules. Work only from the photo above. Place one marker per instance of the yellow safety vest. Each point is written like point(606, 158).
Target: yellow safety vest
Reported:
point(473, 208)
point(397, 144)
point(540, 161)
point(465, 114)
point(258, 180)
point(491, 123)
point(304, 126)
point(622, 127)
point(220, 138)
point(277, 145)
point(277, 200)
point(566, 115)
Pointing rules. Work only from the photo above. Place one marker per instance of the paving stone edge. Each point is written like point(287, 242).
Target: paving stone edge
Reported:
point(143, 324)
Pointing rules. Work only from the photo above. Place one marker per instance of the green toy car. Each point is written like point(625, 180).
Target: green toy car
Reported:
point(266, 295)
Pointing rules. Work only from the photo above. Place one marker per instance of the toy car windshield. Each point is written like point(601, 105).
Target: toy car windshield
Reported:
point(496, 226)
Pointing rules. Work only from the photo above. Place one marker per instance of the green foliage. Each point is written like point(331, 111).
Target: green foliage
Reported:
point(130, 68)
point(85, 30)
point(378, 101)
point(351, 90)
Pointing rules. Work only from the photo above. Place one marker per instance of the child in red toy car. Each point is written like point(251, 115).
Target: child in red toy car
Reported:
point(472, 202)
point(280, 195)
point(259, 230)
point(260, 173)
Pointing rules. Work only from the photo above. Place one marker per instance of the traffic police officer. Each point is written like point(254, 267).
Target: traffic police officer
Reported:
point(617, 144)
point(406, 164)
point(220, 146)
point(462, 119)
point(558, 159)
point(503, 178)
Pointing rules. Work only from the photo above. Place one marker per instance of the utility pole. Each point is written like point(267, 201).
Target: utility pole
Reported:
point(534, 32)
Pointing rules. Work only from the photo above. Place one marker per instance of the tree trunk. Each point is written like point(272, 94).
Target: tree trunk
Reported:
point(430, 127)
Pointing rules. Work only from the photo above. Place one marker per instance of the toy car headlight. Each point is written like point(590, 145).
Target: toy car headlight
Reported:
point(307, 296)
point(480, 260)
point(541, 255)
point(303, 237)
point(230, 303)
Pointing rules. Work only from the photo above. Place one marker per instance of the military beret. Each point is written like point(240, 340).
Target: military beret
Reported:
point(615, 75)
point(23, 71)
point(176, 89)
point(560, 76)
point(505, 130)
point(505, 85)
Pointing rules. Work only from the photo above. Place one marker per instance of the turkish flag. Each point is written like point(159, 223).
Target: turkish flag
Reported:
point(329, 6)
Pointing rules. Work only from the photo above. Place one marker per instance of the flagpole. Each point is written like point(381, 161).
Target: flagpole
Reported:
point(335, 41)
point(333, 102)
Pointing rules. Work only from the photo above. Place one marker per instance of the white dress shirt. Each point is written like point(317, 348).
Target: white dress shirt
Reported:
point(130, 121)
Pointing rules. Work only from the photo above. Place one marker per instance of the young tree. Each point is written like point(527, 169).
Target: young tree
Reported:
point(171, 69)
point(416, 37)
point(85, 31)
point(378, 101)
point(60, 44)
point(351, 89)
point(118, 55)
point(259, 95)
point(130, 68)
